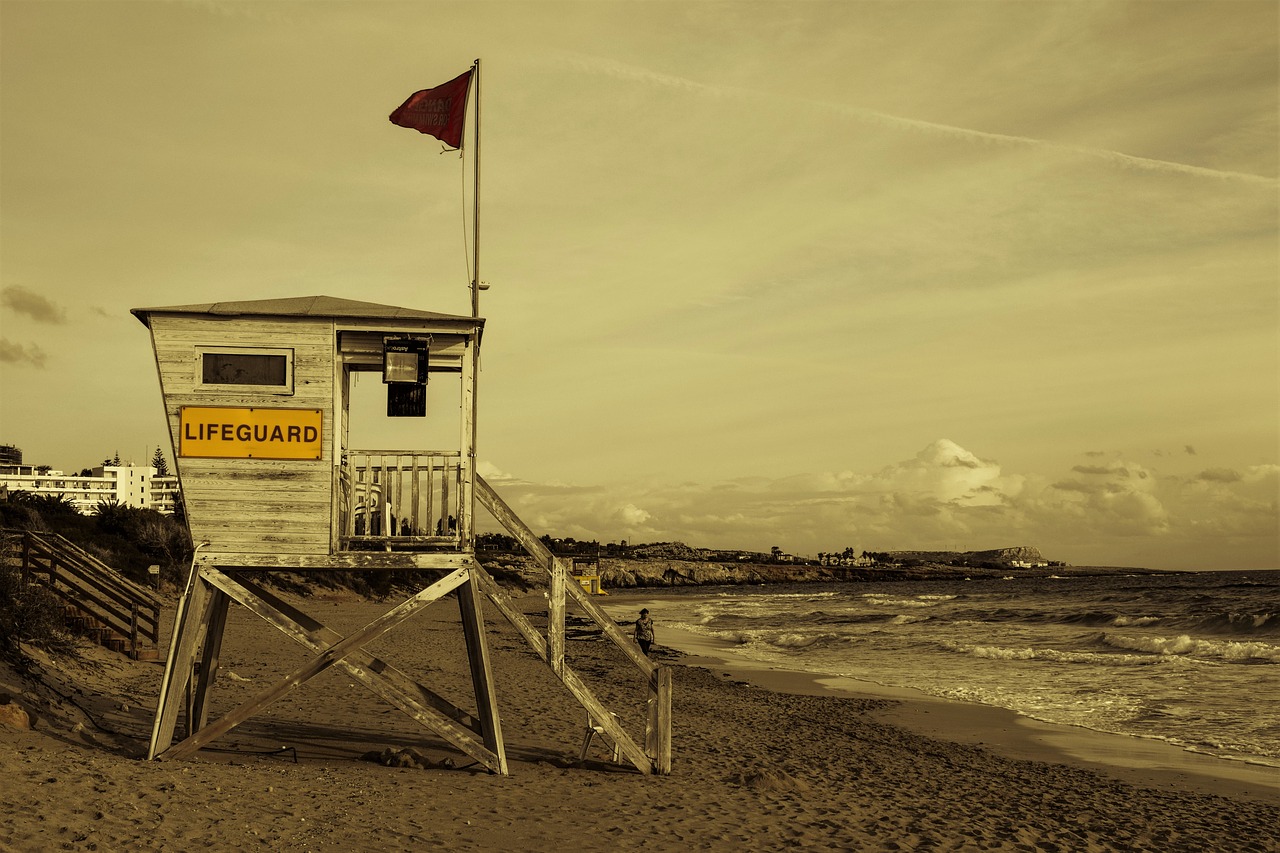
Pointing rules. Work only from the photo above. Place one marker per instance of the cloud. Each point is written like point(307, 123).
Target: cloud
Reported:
point(1220, 475)
point(945, 497)
point(33, 305)
point(15, 353)
point(1103, 470)
point(632, 516)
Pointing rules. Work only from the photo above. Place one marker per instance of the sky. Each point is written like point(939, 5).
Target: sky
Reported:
point(883, 275)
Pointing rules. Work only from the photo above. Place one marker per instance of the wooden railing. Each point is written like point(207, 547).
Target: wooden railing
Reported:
point(400, 500)
point(126, 612)
point(655, 755)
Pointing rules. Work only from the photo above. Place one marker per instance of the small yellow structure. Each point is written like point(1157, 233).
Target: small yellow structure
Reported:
point(590, 584)
point(257, 395)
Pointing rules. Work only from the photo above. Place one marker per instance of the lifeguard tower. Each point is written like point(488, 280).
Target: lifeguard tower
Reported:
point(258, 399)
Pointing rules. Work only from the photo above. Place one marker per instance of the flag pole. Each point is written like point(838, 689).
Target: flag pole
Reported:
point(476, 286)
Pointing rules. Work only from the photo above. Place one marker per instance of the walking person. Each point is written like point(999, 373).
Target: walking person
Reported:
point(644, 631)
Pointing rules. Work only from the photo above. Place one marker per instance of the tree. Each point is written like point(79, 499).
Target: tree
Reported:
point(775, 552)
point(158, 462)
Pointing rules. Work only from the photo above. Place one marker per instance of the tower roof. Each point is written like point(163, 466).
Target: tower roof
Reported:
point(305, 306)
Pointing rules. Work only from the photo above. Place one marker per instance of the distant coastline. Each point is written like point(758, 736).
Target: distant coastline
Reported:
point(672, 572)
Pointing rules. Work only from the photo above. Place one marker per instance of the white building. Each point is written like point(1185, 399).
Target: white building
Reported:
point(129, 485)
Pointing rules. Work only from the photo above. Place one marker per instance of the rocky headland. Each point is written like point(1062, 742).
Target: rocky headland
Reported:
point(676, 564)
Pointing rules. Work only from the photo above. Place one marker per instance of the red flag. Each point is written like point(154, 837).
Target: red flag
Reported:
point(439, 112)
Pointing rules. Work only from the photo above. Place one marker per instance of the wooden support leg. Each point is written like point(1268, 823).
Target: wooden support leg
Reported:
point(181, 659)
point(216, 620)
point(660, 721)
point(555, 616)
point(481, 672)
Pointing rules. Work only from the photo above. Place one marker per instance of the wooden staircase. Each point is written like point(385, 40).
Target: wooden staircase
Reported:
point(98, 601)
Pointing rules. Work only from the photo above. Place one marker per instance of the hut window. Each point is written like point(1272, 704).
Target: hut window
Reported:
point(269, 370)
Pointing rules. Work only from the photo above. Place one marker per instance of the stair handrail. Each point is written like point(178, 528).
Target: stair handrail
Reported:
point(126, 608)
point(656, 754)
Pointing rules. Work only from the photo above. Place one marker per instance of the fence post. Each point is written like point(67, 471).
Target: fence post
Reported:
point(26, 558)
point(133, 630)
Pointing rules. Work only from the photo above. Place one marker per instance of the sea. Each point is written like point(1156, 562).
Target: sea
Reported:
point(1192, 658)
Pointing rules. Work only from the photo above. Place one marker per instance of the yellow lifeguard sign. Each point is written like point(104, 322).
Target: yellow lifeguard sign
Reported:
point(236, 433)
point(257, 396)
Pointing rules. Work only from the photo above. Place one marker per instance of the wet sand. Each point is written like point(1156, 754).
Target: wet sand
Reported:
point(1148, 762)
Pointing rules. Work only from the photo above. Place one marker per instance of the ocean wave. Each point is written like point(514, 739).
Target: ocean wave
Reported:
point(1236, 623)
point(803, 641)
point(1093, 617)
point(1187, 646)
point(879, 599)
point(1134, 621)
point(1051, 655)
point(820, 618)
point(1233, 624)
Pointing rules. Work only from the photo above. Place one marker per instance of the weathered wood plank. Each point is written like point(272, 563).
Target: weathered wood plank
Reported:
point(658, 720)
point(500, 600)
point(421, 704)
point(555, 615)
point(603, 718)
point(328, 658)
point(272, 470)
point(662, 721)
point(493, 502)
point(265, 545)
point(215, 620)
point(181, 660)
point(302, 485)
point(481, 671)
point(298, 523)
point(348, 560)
point(315, 636)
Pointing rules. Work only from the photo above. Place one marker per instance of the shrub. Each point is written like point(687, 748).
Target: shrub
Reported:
point(29, 613)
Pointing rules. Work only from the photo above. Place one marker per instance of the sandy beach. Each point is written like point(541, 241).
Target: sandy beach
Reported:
point(761, 761)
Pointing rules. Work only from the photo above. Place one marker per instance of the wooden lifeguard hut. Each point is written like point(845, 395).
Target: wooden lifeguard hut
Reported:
point(258, 400)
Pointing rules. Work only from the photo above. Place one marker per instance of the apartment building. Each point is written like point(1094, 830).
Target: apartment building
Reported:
point(130, 485)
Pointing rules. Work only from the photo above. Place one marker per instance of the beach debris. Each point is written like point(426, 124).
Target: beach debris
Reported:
point(767, 779)
point(408, 758)
point(13, 715)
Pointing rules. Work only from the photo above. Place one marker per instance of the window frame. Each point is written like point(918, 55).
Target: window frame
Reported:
point(285, 390)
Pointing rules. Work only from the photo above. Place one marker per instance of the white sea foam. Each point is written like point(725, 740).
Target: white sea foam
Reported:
point(1134, 621)
point(1185, 645)
point(1053, 655)
point(799, 641)
point(882, 600)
